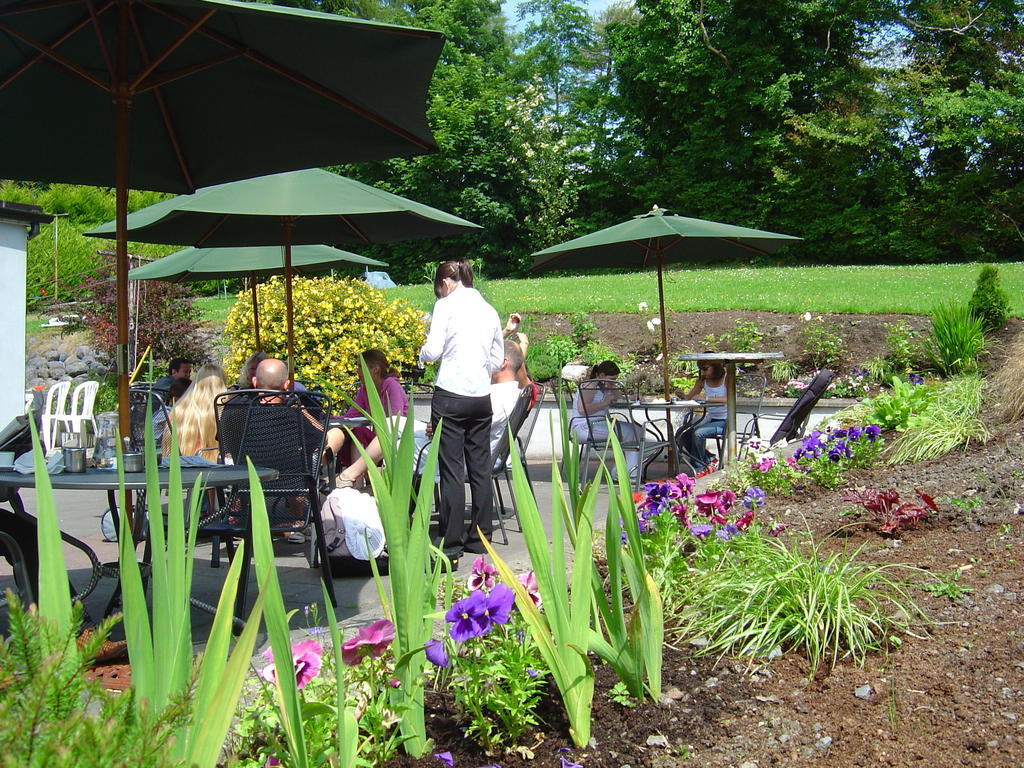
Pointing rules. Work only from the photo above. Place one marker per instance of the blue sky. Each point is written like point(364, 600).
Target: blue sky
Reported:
point(595, 6)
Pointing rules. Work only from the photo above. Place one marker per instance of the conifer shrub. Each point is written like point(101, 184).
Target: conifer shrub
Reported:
point(989, 302)
point(335, 320)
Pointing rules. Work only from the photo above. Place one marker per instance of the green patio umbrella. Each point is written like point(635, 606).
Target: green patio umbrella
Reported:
point(173, 95)
point(252, 262)
point(654, 239)
point(310, 206)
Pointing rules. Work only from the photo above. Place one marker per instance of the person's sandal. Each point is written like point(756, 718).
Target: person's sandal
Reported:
point(343, 482)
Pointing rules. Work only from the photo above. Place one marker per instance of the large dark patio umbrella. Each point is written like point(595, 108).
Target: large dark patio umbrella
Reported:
point(193, 264)
point(654, 239)
point(176, 94)
point(310, 206)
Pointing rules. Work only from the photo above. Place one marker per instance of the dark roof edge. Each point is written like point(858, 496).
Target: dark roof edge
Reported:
point(22, 212)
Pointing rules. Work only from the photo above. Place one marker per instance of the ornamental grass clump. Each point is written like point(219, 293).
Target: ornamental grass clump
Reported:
point(957, 340)
point(754, 594)
point(1008, 385)
point(950, 422)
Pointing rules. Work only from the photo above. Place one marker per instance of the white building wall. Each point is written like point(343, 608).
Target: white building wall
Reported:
point(13, 242)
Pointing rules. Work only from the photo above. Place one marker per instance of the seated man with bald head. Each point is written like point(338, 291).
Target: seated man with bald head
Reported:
point(272, 373)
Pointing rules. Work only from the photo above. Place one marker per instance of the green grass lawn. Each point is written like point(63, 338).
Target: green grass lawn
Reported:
point(869, 290)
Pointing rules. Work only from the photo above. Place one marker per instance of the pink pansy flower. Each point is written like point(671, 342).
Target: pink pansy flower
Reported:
point(529, 581)
point(483, 576)
point(715, 505)
point(369, 641)
point(306, 658)
point(765, 464)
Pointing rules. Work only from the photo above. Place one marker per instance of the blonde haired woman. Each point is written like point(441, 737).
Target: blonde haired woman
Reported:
point(193, 419)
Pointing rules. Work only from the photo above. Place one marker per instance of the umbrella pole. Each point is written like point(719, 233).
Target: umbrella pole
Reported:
point(289, 222)
point(664, 366)
point(664, 331)
point(122, 102)
point(255, 312)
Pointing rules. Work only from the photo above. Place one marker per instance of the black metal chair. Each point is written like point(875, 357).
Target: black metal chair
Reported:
point(284, 431)
point(794, 423)
point(592, 427)
point(523, 438)
point(500, 457)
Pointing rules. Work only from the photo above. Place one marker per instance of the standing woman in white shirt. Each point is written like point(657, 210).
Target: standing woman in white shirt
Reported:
point(465, 335)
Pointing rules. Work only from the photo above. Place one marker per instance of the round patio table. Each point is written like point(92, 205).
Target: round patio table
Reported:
point(214, 476)
point(729, 360)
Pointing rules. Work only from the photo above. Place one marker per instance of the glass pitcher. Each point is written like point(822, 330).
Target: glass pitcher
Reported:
point(104, 453)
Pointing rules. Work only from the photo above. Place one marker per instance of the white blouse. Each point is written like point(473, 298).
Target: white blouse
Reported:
point(465, 335)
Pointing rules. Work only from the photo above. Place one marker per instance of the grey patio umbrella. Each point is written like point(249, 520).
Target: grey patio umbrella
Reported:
point(253, 262)
point(310, 206)
point(176, 94)
point(654, 239)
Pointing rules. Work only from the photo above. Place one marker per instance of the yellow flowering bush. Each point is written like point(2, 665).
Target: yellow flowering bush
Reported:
point(335, 320)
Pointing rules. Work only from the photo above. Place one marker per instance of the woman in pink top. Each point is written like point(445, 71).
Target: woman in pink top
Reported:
point(392, 397)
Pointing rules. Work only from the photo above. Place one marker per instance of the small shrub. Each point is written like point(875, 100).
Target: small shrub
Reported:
point(825, 456)
point(957, 340)
point(989, 302)
point(823, 345)
point(167, 318)
point(885, 507)
point(745, 337)
point(583, 328)
point(949, 422)
point(51, 715)
point(1008, 384)
point(903, 348)
point(594, 352)
point(561, 348)
point(541, 363)
point(335, 320)
point(760, 593)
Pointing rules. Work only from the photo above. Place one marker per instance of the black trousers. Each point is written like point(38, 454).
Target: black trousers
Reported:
point(465, 447)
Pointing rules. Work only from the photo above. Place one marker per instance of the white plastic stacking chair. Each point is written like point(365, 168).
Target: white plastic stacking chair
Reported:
point(56, 400)
point(83, 398)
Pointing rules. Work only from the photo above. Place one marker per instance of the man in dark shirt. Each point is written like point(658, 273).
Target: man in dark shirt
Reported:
point(178, 368)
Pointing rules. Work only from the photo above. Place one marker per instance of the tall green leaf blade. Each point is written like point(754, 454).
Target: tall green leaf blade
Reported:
point(53, 598)
point(277, 623)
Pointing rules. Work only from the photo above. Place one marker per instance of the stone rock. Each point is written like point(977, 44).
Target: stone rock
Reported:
point(56, 370)
point(863, 692)
point(35, 361)
point(657, 740)
point(995, 589)
point(83, 351)
point(699, 642)
point(575, 372)
point(51, 354)
point(76, 367)
point(749, 764)
point(674, 694)
point(824, 742)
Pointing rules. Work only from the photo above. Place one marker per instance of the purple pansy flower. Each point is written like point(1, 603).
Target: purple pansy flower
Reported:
point(468, 617)
point(701, 531)
point(872, 431)
point(436, 653)
point(754, 498)
point(446, 758)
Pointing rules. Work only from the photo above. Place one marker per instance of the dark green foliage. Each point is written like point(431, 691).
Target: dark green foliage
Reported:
point(50, 715)
point(989, 302)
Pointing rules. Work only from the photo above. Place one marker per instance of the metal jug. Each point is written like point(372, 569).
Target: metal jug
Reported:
point(104, 453)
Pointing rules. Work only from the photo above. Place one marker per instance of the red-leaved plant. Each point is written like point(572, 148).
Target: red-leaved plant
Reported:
point(884, 505)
